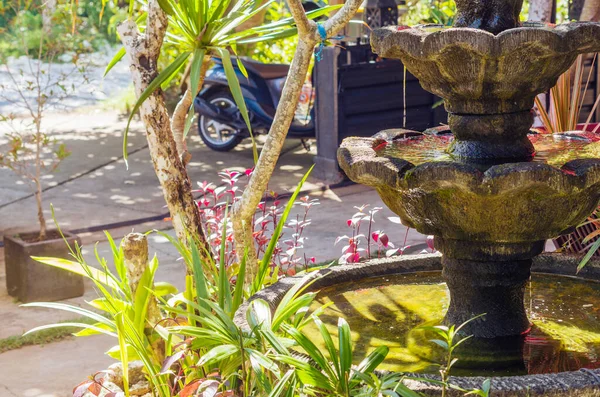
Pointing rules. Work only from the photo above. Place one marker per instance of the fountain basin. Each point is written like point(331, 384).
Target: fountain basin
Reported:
point(584, 382)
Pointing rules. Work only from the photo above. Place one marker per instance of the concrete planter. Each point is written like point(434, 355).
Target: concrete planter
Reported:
point(28, 280)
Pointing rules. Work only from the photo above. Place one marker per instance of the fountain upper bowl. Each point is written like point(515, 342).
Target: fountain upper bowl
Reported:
point(477, 72)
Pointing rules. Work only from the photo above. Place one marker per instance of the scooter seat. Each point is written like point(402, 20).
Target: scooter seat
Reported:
point(267, 70)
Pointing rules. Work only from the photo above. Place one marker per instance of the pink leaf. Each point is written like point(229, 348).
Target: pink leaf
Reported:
point(430, 243)
point(82, 388)
point(384, 239)
point(375, 236)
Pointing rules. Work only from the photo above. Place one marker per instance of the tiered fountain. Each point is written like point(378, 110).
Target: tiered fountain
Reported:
point(487, 193)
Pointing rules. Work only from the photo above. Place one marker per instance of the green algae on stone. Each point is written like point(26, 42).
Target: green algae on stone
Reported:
point(387, 311)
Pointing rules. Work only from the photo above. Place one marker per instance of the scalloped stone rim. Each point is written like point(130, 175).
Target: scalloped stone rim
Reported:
point(360, 162)
point(573, 36)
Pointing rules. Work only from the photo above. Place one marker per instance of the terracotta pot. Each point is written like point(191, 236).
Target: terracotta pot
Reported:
point(28, 280)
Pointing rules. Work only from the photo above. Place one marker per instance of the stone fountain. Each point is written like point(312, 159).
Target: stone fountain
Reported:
point(490, 202)
point(490, 208)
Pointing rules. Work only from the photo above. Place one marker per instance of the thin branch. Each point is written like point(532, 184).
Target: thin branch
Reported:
point(334, 24)
point(305, 25)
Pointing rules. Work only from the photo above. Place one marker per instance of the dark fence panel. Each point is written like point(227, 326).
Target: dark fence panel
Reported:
point(371, 96)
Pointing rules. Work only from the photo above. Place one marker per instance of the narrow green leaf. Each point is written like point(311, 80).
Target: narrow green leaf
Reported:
point(238, 293)
point(95, 328)
point(78, 268)
point(238, 97)
point(154, 84)
point(439, 342)
point(188, 120)
point(333, 353)
point(372, 361)
point(71, 308)
point(224, 287)
point(118, 56)
point(218, 353)
point(199, 278)
point(166, 7)
point(589, 255)
point(119, 321)
point(345, 346)
point(195, 70)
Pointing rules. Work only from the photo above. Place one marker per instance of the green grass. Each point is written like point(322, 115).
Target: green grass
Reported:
point(41, 337)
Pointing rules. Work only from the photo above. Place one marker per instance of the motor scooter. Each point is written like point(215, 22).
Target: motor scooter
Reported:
point(220, 123)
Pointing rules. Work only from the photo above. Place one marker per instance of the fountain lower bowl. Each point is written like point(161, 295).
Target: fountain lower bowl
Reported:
point(507, 203)
point(583, 382)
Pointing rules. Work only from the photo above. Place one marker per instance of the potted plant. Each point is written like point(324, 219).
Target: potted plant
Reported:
point(33, 87)
point(567, 99)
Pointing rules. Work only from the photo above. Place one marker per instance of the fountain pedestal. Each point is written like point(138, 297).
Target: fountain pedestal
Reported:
point(490, 279)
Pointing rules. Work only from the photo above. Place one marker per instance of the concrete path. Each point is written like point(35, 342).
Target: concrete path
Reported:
point(93, 187)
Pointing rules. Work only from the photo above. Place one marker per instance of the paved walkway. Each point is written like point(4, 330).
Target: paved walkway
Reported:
point(93, 188)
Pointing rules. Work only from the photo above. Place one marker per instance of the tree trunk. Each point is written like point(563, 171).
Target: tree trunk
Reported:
point(540, 10)
point(590, 11)
point(308, 37)
point(180, 115)
point(143, 51)
point(135, 253)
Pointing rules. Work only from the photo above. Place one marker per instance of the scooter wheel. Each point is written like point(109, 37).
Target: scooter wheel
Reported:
point(218, 136)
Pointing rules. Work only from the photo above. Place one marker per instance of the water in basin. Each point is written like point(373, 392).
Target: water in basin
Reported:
point(565, 335)
point(552, 149)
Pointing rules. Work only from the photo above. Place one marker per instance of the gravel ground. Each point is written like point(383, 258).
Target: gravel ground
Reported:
point(67, 88)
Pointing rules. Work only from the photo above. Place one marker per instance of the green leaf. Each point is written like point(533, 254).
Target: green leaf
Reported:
point(309, 347)
point(238, 293)
point(165, 5)
point(333, 353)
point(224, 287)
point(162, 288)
point(153, 86)
point(259, 314)
point(238, 97)
point(118, 56)
point(118, 258)
point(119, 321)
point(199, 278)
point(345, 346)
point(372, 361)
point(439, 342)
point(588, 255)
point(218, 353)
point(306, 373)
point(71, 308)
point(195, 70)
point(96, 328)
point(286, 382)
point(78, 268)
